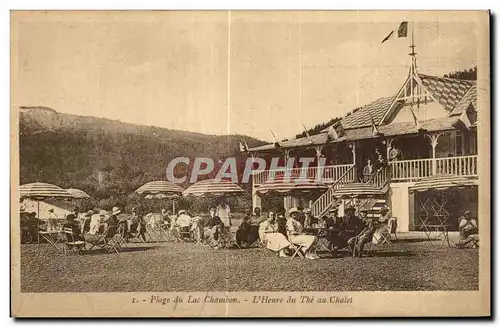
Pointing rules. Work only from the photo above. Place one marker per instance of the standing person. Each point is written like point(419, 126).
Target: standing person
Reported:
point(271, 238)
point(141, 226)
point(367, 171)
point(224, 212)
point(296, 235)
point(52, 221)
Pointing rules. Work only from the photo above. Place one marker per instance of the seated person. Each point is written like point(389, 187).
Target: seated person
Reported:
point(358, 242)
point(182, 223)
point(467, 231)
point(383, 231)
point(112, 223)
point(350, 225)
point(86, 221)
point(137, 225)
point(212, 227)
point(296, 235)
point(269, 235)
point(72, 224)
point(332, 223)
point(248, 232)
point(281, 222)
point(309, 219)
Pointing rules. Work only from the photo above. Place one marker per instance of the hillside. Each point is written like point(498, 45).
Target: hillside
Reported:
point(105, 157)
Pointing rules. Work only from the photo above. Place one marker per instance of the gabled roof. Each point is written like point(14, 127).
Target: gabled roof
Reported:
point(318, 139)
point(431, 125)
point(447, 91)
point(363, 117)
point(469, 98)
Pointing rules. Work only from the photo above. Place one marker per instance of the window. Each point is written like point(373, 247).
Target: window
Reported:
point(459, 143)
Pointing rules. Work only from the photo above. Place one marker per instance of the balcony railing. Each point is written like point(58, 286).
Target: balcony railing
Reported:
point(329, 173)
point(413, 170)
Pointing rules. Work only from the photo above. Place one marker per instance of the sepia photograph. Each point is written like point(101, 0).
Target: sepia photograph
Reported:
point(260, 163)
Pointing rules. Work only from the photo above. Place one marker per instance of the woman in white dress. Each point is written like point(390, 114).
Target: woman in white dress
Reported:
point(271, 238)
point(296, 236)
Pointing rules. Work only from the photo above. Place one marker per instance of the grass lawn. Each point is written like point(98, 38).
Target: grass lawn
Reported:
point(402, 266)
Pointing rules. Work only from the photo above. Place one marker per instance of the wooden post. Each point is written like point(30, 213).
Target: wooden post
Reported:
point(434, 142)
point(256, 199)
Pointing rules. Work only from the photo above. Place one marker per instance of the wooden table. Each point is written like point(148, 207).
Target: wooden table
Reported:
point(440, 229)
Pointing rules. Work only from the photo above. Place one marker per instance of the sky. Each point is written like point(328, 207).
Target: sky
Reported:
point(222, 72)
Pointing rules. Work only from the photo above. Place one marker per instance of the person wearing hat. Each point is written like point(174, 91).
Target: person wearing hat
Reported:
point(467, 231)
point(296, 236)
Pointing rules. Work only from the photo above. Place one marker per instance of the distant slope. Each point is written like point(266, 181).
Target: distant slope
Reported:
point(104, 156)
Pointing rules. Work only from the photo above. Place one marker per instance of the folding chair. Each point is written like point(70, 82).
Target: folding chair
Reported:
point(71, 245)
point(296, 251)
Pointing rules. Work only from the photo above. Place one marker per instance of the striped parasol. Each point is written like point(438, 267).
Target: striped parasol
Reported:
point(359, 190)
point(291, 186)
point(160, 189)
point(441, 183)
point(77, 194)
point(42, 190)
point(213, 187)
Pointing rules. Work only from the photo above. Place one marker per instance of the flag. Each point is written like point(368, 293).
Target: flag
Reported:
point(276, 143)
point(402, 31)
point(307, 135)
point(243, 147)
point(332, 133)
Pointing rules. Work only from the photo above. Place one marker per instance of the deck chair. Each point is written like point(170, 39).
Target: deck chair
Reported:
point(108, 241)
point(71, 245)
point(367, 249)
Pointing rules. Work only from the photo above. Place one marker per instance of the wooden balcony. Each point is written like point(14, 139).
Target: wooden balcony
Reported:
point(329, 173)
point(418, 169)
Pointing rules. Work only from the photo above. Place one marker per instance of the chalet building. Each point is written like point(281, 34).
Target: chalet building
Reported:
point(425, 134)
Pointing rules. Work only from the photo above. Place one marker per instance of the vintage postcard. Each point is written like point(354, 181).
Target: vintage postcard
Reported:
point(250, 163)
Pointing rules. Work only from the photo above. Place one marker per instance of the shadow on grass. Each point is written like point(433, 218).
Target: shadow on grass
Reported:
point(414, 240)
point(123, 250)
